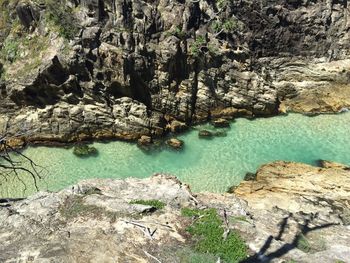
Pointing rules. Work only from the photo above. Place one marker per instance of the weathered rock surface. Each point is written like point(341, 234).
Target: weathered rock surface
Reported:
point(94, 220)
point(320, 100)
point(121, 68)
point(307, 198)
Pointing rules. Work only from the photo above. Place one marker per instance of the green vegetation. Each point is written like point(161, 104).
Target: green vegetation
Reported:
point(208, 231)
point(303, 244)
point(84, 150)
point(5, 21)
point(74, 206)
point(189, 256)
point(23, 47)
point(61, 18)
point(10, 49)
point(177, 32)
point(222, 3)
point(154, 203)
point(197, 45)
point(225, 26)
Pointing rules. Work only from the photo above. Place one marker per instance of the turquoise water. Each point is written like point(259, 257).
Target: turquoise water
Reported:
point(207, 165)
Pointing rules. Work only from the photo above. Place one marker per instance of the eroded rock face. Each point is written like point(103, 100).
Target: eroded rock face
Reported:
point(170, 59)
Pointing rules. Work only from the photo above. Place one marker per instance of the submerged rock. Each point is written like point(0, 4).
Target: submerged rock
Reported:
point(84, 150)
point(175, 143)
point(205, 134)
point(221, 123)
point(220, 133)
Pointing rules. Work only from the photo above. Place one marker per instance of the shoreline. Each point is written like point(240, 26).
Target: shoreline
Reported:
point(108, 136)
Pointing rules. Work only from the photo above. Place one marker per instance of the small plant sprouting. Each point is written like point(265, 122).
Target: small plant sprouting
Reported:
point(197, 45)
point(303, 244)
point(154, 203)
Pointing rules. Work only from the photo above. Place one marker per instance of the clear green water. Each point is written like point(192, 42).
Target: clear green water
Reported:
point(207, 165)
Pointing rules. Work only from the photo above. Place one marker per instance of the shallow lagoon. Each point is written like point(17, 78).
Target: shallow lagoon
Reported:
point(207, 165)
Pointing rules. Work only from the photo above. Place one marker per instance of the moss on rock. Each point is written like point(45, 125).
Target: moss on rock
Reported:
point(84, 150)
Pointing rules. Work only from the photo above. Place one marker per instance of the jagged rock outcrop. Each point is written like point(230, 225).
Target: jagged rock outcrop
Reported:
point(182, 60)
point(311, 201)
point(291, 212)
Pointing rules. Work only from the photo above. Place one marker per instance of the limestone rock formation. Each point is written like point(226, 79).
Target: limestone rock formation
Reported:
point(74, 70)
point(305, 197)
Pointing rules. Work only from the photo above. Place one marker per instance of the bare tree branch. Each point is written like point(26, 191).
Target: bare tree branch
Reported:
point(14, 163)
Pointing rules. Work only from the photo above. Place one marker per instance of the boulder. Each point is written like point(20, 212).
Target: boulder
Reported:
point(177, 126)
point(175, 143)
point(84, 150)
point(220, 123)
point(144, 141)
point(27, 13)
point(205, 134)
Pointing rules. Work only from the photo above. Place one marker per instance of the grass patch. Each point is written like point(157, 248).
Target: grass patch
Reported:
point(22, 53)
point(208, 231)
point(190, 256)
point(10, 49)
point(303, 244)
point(74, 207)
point(154, 203)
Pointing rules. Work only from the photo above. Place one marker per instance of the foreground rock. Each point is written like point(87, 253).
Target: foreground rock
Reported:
point(291, 212)
point(312, 204)
point(102, 221)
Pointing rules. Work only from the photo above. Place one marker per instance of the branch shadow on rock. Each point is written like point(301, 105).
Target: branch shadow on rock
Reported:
point(262, 256)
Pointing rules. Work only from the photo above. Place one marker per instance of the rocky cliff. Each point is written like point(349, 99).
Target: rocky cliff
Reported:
point(290, 213)
point(77, 69)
